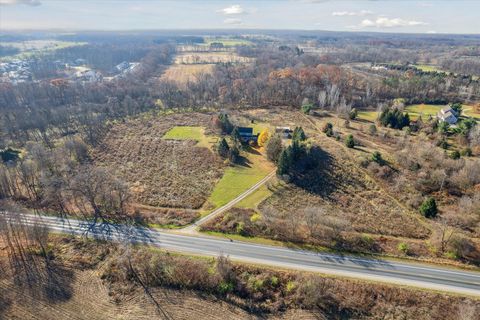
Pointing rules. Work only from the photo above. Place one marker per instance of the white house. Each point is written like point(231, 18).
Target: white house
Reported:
point(448, 115)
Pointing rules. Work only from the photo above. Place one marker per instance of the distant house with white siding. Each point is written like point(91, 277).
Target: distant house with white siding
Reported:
point(448, 115)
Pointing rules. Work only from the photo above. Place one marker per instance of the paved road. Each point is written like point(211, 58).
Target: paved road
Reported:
point(420, 275)
point(191, 228)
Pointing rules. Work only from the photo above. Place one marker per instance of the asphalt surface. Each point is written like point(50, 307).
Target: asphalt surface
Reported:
point(403, 273)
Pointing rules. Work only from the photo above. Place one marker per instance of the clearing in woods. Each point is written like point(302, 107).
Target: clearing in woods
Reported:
point(191, 133)
point(183, 73)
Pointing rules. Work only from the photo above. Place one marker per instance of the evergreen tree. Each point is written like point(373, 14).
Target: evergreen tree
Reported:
point(457, 107)
point(234, 154)
point(349, 142)
point(429, 208)
point(284, 162)
point(377, 157)
point(223, 148)
point(237, 139)
point(299, 134)
point(225, 124)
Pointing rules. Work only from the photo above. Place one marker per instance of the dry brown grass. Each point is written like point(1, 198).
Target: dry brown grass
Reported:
point(161, 173)
point(210, 58)
point(183, 73)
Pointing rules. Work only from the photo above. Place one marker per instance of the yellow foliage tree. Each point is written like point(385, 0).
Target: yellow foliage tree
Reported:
point(263, 138)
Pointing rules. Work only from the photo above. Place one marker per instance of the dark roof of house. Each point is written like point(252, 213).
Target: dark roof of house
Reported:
point(245, 131)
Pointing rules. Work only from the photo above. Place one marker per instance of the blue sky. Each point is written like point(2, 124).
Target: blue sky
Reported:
point(434, 16)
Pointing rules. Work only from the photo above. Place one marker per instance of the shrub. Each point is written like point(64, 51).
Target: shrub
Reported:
point(353, 114)
point(349, 142)
point(263, 138)
point(429, 208)
point(306, 108)
point(327, 126)
point(240, 228)
point(455, 155)
point(443, 127)
point(467, 152)
point(255, 217)
point(372, 130)
point(274, 148)
point(290, 286)
point(403, 247)
point(377, 157)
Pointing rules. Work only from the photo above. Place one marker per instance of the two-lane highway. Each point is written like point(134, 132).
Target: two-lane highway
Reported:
point(404, 273)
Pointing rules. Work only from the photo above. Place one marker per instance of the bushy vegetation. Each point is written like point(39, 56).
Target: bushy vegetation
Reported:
point(394, 118)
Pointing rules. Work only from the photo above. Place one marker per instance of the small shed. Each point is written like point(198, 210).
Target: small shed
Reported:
point(284, 132)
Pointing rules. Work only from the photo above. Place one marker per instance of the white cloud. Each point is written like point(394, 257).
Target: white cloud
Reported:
point(233, 21)
point(352, 13)
point(25, 2)
point(384, 22)
point(232, 10)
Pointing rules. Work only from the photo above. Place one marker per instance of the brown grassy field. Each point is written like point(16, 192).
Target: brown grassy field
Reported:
point(92, 283)
point(160, 172)
point(183, 73)
point(209, 58)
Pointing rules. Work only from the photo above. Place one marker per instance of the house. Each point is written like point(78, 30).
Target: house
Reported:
point(448, 115)
point(284, 132)
point(246, 134)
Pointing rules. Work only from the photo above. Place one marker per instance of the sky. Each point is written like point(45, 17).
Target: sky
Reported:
point(409, 16)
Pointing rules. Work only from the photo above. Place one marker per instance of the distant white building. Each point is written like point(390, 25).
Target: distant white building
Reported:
point(448, 115)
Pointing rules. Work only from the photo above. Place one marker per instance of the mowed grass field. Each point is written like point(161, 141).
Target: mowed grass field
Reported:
point(240, 178)
point(191, 133)
point(424, 110)
point(368, 115)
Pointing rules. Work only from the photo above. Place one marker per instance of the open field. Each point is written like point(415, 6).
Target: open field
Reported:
point(228, 42)
point(239, 178)
point(161, 172)
point(32, 47)
point(472, 111)
point(424, 110)
point(210, 58)
point(368, 115)
point(183, 73)
point(428, 68)
point(191, 133)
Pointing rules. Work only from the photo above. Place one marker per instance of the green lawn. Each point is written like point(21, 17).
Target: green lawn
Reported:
point(368, 115)
point(428, 68)
point(240, 178)
point(425, 110)
point(253, 200)
point(190, 133)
